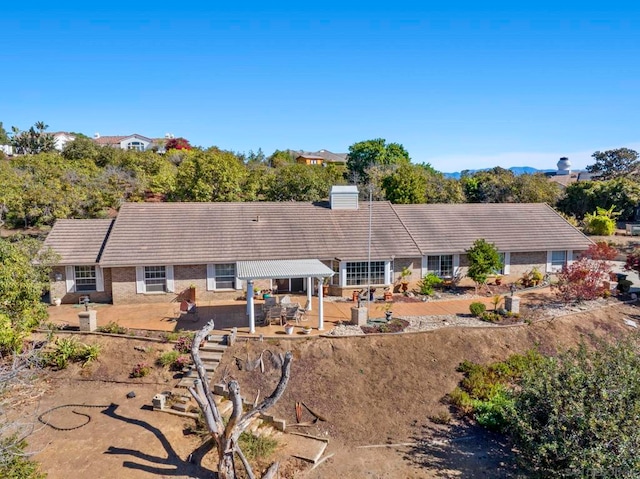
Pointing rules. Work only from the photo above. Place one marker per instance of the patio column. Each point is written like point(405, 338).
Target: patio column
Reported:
point(320, 306)
point(309, 291)
point(250, 308)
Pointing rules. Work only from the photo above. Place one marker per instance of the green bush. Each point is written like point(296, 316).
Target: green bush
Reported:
point(15, 463)
point(602, 222)
point(140, 370)
point(66, 350)
point(477, 308)
point(577, 415)
point(427, 283)
point(256, 447)
point(168, 358)
point(113, 328)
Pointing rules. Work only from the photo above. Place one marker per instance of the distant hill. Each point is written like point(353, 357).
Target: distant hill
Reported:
point(517, 170)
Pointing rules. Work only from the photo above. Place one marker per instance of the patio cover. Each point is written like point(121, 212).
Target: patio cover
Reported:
point(282, 269)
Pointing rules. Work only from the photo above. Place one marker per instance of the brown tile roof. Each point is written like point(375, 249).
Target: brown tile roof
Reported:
point(109, 140)
point(446, 228)
point(325, 155)
point(78, 241)
point(196, 233)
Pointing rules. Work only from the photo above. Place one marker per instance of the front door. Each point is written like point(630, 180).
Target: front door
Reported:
point(290, 285)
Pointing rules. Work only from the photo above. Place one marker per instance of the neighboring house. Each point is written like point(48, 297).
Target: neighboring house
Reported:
point(564, 176)
point(321, 157)
point(154, 251)
point(130, 142)
point(61, 139)
point(6, 149)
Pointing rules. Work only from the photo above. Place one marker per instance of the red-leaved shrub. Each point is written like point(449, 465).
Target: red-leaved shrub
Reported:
point(583, 280)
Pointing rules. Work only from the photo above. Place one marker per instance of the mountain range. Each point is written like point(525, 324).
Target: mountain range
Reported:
point(517, 170)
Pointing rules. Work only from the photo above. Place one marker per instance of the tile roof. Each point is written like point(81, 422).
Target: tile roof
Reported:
point(109, 140)
point(197, 233)
point(447, 228)
point(325, 155)
point(78, 241)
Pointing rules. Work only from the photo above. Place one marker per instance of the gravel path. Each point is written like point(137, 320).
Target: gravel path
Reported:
point(428, 323)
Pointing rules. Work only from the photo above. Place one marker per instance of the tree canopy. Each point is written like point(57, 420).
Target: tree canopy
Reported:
point(32, 141)
point(366, 154)
point(614, 163)
point(484, 260)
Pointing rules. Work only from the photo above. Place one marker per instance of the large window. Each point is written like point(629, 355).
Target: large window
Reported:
point(224, 276)
point(135, 145)
point(85, 277)
point(358, 274)
point(503, 260)
point(155, 278)
point(558, 260)
point(441, 265)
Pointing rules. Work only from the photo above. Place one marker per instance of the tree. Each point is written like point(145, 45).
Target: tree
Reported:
point(406, 185)
point(211, 175)
point(280, 158)
point(225, 436)
point(578, 415)
point(177, 144)
point(484, 259)
point(4, 137)
point(34, 140)
point(489, 186)
point(614, 163)
point(23, 277)
point(366, 154)
point(81, 148)
point(535, 188)
point(296, 182)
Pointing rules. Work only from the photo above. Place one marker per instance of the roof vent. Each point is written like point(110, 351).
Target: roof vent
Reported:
point(344, 197)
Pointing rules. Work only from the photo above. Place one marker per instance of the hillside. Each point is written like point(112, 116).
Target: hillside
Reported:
point(377, 390)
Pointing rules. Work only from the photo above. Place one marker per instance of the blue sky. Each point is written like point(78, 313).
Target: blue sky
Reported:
point(459, 84)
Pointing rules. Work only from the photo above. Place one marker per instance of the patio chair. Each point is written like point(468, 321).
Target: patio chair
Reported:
point(286, 299)
point(274, 314)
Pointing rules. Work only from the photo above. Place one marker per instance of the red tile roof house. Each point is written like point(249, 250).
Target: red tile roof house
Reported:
point(154, 251)
point(129, 142)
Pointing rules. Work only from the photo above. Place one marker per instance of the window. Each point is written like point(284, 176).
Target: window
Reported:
point(155, 278)
point(441, 265)
point(357, 273)
point(135, 145)
point(224, 276)
point(558, 260)
point(85, 277)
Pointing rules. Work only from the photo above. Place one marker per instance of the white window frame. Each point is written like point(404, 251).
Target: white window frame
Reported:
point(554, 268)
point(169, 283)
point(343, 273)
point(211, 278)
point(506, 263)
point(455, 264)
point(70, 279)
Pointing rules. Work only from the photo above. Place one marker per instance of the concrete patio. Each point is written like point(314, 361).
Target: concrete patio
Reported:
point(230, 314)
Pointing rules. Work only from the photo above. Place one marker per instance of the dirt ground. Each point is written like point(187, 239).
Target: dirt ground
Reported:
point(373, 391)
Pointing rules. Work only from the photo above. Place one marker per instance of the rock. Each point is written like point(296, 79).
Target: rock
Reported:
point(131, 395)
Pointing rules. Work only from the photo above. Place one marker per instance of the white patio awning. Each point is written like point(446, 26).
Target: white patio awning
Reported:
point(282, 269)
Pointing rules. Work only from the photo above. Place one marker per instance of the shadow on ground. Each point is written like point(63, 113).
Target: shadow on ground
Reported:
point(171, 465)
point(463, 450)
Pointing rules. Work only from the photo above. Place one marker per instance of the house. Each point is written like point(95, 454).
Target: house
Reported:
point(152, 252)
point(61, 138)
point(322, 157)
point(129, 142)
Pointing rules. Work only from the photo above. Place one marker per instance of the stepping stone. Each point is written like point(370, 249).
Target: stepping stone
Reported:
point(180, 406)
point(304, 447)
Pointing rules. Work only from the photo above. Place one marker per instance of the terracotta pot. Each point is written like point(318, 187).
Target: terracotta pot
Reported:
point(388, 296)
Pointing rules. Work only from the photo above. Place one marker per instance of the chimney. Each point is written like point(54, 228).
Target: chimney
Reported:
point(344, 197)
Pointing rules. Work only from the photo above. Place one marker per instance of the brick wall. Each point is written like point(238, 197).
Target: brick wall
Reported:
point(58, 289)
point(523, 262)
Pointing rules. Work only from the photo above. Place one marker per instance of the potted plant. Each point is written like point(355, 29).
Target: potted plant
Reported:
point(388, 294)
point(498, 280)
point(387, 311)
point(288, 328)
point(325, 286)
point(306, 330)
point(404, 278)
point(57, 301)
point(192, 293)
point(536, 276)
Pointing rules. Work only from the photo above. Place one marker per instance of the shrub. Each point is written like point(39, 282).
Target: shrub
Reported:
point(64, 351)
point(491, 317)
point(582, 280)
point(477, 308)
point(601, 251)
point(15, 462)
point(88, 353)
point(576, 415)
point(184, 343)
point(113, 328)
point(602, 222)
point(633, 261)
point(140, 370)
point(256, 447)
point(427, 283)
point(168, 358)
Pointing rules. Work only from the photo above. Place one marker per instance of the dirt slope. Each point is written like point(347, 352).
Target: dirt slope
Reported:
point(377, 390)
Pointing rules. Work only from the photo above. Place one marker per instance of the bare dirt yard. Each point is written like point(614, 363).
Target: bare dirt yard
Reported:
point(373, 391)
